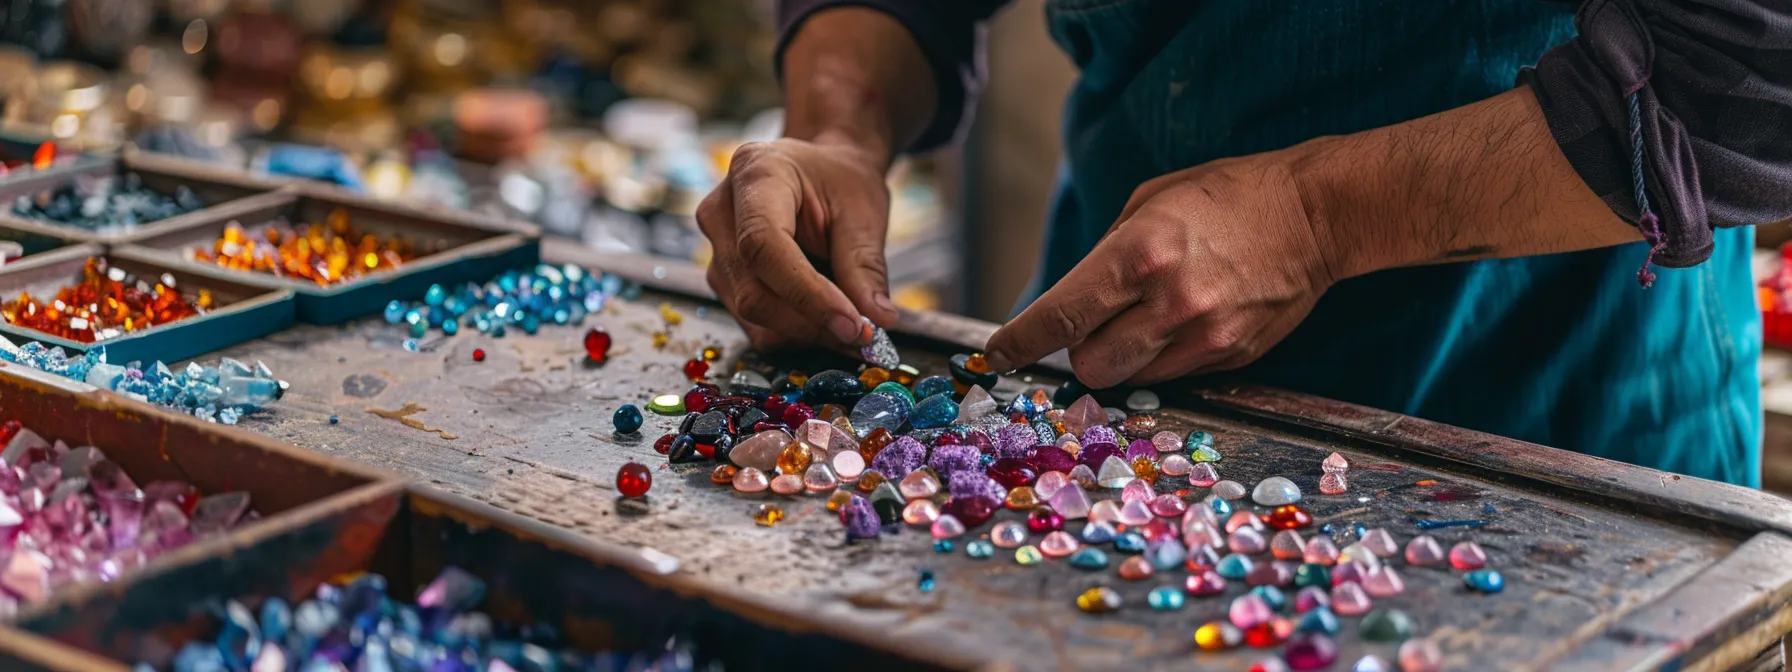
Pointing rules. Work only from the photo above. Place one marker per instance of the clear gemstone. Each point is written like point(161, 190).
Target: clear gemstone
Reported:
point(1423, 551)
point(1115, 473)
point(1229, 490)
point(1177, 465)
point(1246, 540)
point(1275, 491)
point(1058, 544)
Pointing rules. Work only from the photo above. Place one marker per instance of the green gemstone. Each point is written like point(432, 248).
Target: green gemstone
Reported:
point(890, 387)
point(1387, 625)
point(1204, 454)
point(1311, 574)
point(887, 501)
point(666, 404)
point(1028, 555)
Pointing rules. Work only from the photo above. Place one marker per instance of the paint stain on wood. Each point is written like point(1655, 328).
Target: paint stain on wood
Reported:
point(403, 416)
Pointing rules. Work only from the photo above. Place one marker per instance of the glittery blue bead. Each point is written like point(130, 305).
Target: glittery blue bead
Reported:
point(1485, 580)
point(936, 411)
point(1165, 598)
point(628, 419)
point(932, 385)
point(395, 312)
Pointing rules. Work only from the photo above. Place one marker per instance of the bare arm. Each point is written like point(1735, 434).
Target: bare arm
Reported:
point(855, 76)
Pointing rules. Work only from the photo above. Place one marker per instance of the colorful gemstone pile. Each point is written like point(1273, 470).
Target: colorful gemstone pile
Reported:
point(327, 253)
point(105, 302)
point(356, 626)
point(940, 453)
point(107, 201)
point(222, 393)
point(72, 515)
point(525, 300)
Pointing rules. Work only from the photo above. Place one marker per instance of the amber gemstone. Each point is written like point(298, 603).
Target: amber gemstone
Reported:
point(833, 413)
point(1144, 469)
point(795, 458)
point(711, 353)
point(838, 500)
point(976, 363)
point(1136, 568)
point(1022, 498)
point(1288, 517)
point(874, 376)
point(327, 253)
point(875, 443)
point(98, 306)
point(633, 479)
point(1098, 600)
point(670, 314)
point(768, 515)
point(869, 481)
point(723, 474)
point(1217, 636)
point(1139, 426)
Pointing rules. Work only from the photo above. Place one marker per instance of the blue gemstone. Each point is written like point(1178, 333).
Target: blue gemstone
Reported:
point(435, 295)
point(1196, 439)
point(1370, 663)
point(1487, 508)
point(1130, 542)
point(240, 638)
point(980, 549)
point(1166, 554)
point(1234, 566)
point(334, 419)
point(1165, 598)
point(925, 582)
point(936, 411)
point(932, 385)
point(1220, 506)
point(1319, 619)
point(1272, 595)
point(1099, 532)
point(1485, 580)
point(1089, 558)
point(197, 657)
point(395, 311)
point(531, 324)
point(276, 619)
point(942, 546)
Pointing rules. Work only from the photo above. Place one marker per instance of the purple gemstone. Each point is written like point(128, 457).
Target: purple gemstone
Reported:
point(1141, 448)
point(898, 459)
point(1053, 458)
point(1100, 434)
point(454, 589)
point(106, 476)
point(950, 459)
point(124, 510)
point(968, 484)
point(1095, 453)
point(861, 520)
point(1015, 440)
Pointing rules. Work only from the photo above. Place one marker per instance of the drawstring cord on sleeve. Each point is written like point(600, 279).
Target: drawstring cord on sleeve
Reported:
point(1646, 221)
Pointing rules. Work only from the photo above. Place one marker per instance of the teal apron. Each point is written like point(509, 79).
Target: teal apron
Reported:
point(1563, 350)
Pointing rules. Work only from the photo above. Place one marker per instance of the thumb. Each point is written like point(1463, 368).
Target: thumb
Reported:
point(856, 250)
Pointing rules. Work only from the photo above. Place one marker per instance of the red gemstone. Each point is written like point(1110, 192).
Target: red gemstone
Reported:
point(663, 445)
point(1053, 458)
point(1262, 636)
point(633, 479)
point(696, 400)
point(972, 511)
point(764, 425)
point(597, 345)
point(8, 430)
point(774, 406)
point(1288, 517)
point(1204, 583)
point(1043, 519)
point(696, 368)
point(707, 450)
point(1157, 529)
point(478, 354)
point(798, 414)
point(1347, 572)
point(948, 439)
point(1012, 472)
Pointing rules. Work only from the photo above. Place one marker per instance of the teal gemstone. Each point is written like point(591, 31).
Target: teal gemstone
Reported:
point(1196, 439)
point(888, 387)
point(1271, 595)
point(932, 385)
point(1386, 625)
point(395, 311)
point(1220, 506)
point(419, 328)
point(936, 411)
point(925, 582)
point(434, 296)
point(1165, 598)
point(1089, 558)
point(1320, 619)
point(942, 546)
point(1233, 566)
point(451, 326)
point(627, 419)
point(1485, 580)
point(980, 549)
point(1099, 532)
point(1311, 574)
point(531, 324)
point(1130, 542)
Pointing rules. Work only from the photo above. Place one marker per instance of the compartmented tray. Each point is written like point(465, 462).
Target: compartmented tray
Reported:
point(599, 597)
point(33, 240)
point(468, 248)
point(244, 311)
point(216, 186)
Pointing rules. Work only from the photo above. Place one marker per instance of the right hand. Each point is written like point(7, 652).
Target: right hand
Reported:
point(788, 197)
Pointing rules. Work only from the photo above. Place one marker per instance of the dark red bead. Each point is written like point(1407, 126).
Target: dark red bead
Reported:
point(1052, 458)
point(696, 368)
point(774, 406)
point(695, 401)
point(478, 354)
point(1288, 517)
point(8, 430)
point(597, 345)
point(798, 414)
point(948, 439)
point(1043, 519)
point(663, 445)
point(764, 425)
point(633, 479)
point(972, 511)
point(1012, 472)
point(1157, 529)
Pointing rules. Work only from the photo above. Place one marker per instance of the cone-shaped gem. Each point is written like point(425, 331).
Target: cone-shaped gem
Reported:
point(1269, 574)
point(1359, 553)
point(1205, 583)
point(1424, 551)
point(1105, 510)
point(1275, 491)
point(1420, 655)
point(1310, 598)
point(1008, 534)
point(1467, 555)
point(1114, 473)
point(1083, 475)
point(1234, 566)
point(1136, 568)
point(1168, 505)
point(1229, 490)
point(1310, 651)
point(1089, 559)
point(1083, 414)
point(921, 512)
point(1140, 448)
point(1177, 465)
point(1348, 571)
point(1334, 462)
point(1386, 625)
point(1321, 551)
point(1379, 542)
point(1249, 610)
point(1334, 484)
point(1071, 502)
point(1135, 512)
point(749, 479)
point(1136, 490)
point(1203, 475)
point(947, 526)
point(1287, 545)
point(976, 404)
point(1099, 533)
point(1383, 582)
point(820, 478)
point(1059, 544)
point(1484, 580)
point(1048, 484)
point(1348, 599)
point(1318, 618)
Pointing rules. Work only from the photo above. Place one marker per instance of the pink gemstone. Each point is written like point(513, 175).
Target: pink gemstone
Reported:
point(918, 484)
point(1321, 551)
point(1083, 475)
point(1205, 583)
point(1083, 414)
point(1008, 534)
point(848, 465)
point(1168, 505)
point(1269, 574)
point(919, 512)
point(1175, 465)
point(1049, 483)
point(1202, 514)
point(1349, 600)
point(1049, 458)
point(1155, 530)
point(787, 484)
point(1203, 475)
point(1059, 544)
point(1249, 610)
point(1137, 490)
point(1310, 598)
point(1202, 557)
point(1105, 510)
point(1070, 501)
point(1423, 551)
point(1467, 555)
point(1244, 519)
point(1379, 542)
point(1166, 442)
point(1334, 484)
point(760, 451)
point(1347, 572)
point(1141, 448)
point(947, 526)
point(1135, 512)
point(1043, 519)
point(1383, 582)
point(1334, 462)
point(27, 575)
point(1310, 651)
point(1136, 568)
point(1202, 535)
point(1420, 655)
point(1246, 540)
point(1287, 545)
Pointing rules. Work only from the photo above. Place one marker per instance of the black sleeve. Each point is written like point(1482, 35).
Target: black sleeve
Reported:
point(950, 33)
point(1678, 113)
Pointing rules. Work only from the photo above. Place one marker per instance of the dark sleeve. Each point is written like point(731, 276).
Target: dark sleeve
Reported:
point(950, 33)
point(1678, 113)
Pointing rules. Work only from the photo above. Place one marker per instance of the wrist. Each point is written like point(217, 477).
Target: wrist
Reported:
point(1352, 206)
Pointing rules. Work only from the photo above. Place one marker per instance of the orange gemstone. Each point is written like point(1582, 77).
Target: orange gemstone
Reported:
point(44, 156)
point(321, 254)
point(1426, 483)
point(1288, 517)
point(874, 376)
point(1144, 469)
point(875, 443)
point(870, 481)
point(723, 474)
point(976, 363)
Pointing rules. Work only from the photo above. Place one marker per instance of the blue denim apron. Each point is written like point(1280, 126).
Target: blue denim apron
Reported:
point(1563, 350)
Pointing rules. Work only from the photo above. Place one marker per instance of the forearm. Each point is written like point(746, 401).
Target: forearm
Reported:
point(855, 76)
point(1483, 180)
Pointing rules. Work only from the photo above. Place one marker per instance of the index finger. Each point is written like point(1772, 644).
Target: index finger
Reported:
point(765, 208)
point(1085, 298)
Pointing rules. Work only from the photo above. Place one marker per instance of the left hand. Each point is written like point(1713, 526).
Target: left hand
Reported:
point(1205, 270)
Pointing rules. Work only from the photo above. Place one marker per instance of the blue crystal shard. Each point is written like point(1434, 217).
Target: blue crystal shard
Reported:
point(936, 411)
point(1166, 553)
point(240, 639)
point(1099, 532)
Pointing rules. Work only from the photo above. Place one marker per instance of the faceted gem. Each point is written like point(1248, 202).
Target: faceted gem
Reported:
point(976, 404)
point(1420, 655)
point(1424, 550)
point(1043, 519)
point(1310, 651)
point(919, 484)
point(1287, 545)
point(1249, 610)
point(1098, 533)
point(1071, 502)
point(1379, 542)
point(1310, 598)
point(1312, 576)
point(1228, 490)
point(1008, 534)
point(1246, 540)
point(947, 526)
point(1114, 473)
point(862, 521)
point(1348, 599)
point(1168, 505)
point(1134, 513)
point(1269, 574)
point(1383, 582)
point(920, 512)
point(980, 550)
point(1204, 453)
point(972, 511)
point(1288, 517)
point(880, 410)
point(1361, 554)
point(837, 501)
point(1083, 414)
point(1098, 600)
point(633, 479)
point(1334, 484)
point(1204, 583)
point(750, 480)
point(1058, 544)
point(1386, 625)
point(1144, 468)
point(1484, 580)
point(665, 404)
point(819, 478)
point(1348, 571)
point(1202, 474)
point(1136, 490)
point(1028, 555)
point(1177, 465)
point(1275, 491)
point(1202, 535)
point(874, 442)
point(1321, 551)
point(1048, 484)
point(768, 515)
point(1022, 498)
point(1218, 636)
point(1012, 472)
point(1234, 566)
point(597, 345)
point(795, 458)
point(1467, 555)
point(1244, 519)
point(1130, 542)
point(787, 484)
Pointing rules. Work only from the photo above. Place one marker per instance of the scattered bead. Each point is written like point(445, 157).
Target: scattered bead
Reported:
point(1089, 559)
point(1288, 517)
point(767, 515)
point(980, 550)
point(723, 474)
point(1467, 555)
point(1165, 598)
point(942, 545)
point(924, 582)
point(478, 354)
point(750, 480)
point(1058, 544)
point(627, 419)
point(1484, 580)
point(921, 512)
point(633, 479)
point(1218, 636)
point(665, 404)
point(1028, 555)
point(1424, 551)
point(1420, 655)
point(1136, 568)
point(597, 345)
point(1310, 651)
point(1204, 583)
point(1099, 600)
point(1386, 625)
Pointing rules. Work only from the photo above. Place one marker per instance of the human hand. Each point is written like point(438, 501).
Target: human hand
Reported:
point(783, 199)
point(1204, 270)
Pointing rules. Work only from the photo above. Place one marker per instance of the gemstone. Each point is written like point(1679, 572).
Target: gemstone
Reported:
point(1383, 582)
point(633, 479)
point(1420, 655)
point(1165, 554)
point(695, 369)
point(936, 411)
point(597, 345)
point(1202, 535)
point(946, 526)
point(1288, 517)
point(837, 501)
point(1082, 475)
point(1246, 540)
point(1203, 475)
point(723, 474)
point(920, 512)
point(1369, 663)
point(1310, 598)
point(627, 419)
point(1202, 557)
point(1098, 600)
point(1249, 610)
point(1234, 566)
point(833, 387)
point(1348, 571)
point(980, 550)
point(976, 404)
point(1204, 453)
point(1114, 473)
point(1048, 484)
point(1269, 574)
point(1145, 469)
point(1348, 599)
point(1168, 505)
point(1008, 534)
point(1310, 651)
point(919, 484)
point(1089, 559)
point(1204, 583)
point(1136, 490)
point(1275, 491)
point(888, 502)
point(1424, 550)
point(768, 515)
point(787, 484)
point(1379, 542)
point(666, 404)
point(1139, 426)
point(1028, 555)
point(1135, 512)
point(1012, 472)
point(1321, 551)
point(1312, 575)
point(1022, 498)
point(1287, 545)
point(1244, 519)
point(1361, 554)
point(1484, 580)
point(1218, 636)
point(879, 410)
point(1129, 542)
point(1143, 400)
point(1071, 502)
point(1228, 490)
point(1083, 414)
point(795, 458)
point(862, 521)
point(848, 465)
point(1467, 555)
point(1177, 465)
point(749, 479)
point(1058, 544)
point(1043, 519)
point(1265, 635)
point(1107, 510)
point(1386, 625)
point(1272, 595)
point(479, 356)
point(819, 478)
point(1334, 484)
point(1052, 458)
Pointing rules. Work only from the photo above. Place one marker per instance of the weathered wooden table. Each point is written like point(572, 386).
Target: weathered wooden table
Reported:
point(1609, 566)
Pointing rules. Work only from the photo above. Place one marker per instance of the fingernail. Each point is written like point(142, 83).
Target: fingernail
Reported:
point(998, 361)
point(846, 329)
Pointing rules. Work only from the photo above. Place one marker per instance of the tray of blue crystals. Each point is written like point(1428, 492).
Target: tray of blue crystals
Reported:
point(375, 251)
point(225, 310)
point(110, 198)
point(406, 578)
